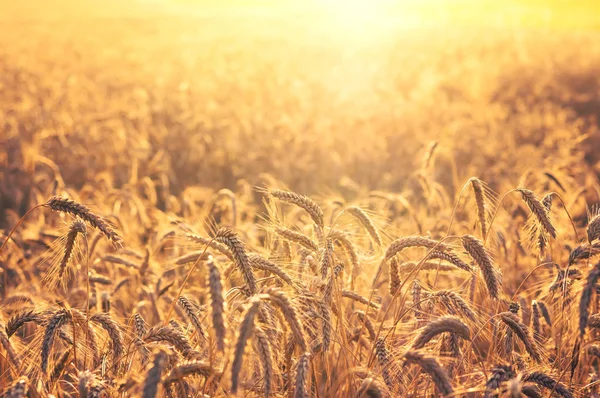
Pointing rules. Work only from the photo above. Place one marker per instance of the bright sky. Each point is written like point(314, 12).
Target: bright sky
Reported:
point(548, 13)
point(350, 15)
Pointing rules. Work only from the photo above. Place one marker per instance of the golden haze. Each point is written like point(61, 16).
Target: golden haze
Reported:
point(323, 198)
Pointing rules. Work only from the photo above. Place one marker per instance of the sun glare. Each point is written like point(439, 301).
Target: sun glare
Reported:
point(364, 19)
point(352, 9)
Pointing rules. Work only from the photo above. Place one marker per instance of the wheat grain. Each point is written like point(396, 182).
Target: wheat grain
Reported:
point(302, 372)
point(244, 332)
point(586, 297)
point(263, 349)
point(81, 319)
point(154, 375)
point(235, 245)
point(433, 369)
point(414, 241)
point(383, 357)
point(410, 267)
point(217, 303)
point(535, 321)
point(19, 319)
point(344, 241)
point(500, 374)
point(522, 332)
point(57, 271)
point(395, 282)
point(584, 252)
point(58, 319)
point(304, 202)
point(189, 311)
point(114, 332)
point(445, 324)
point(593, 227)
point(448, 256)
point(362, 316)
point(491, 275)
point(298, 238)
point(19, 389)
point(85, 378)
point(357, 297)
point(192, 257)
point(327, 258)
point(218, 246)
point(170, 335)
point(545, 313)
point(548, 382)
point(60, 366)
point(367, 224)
point(12, 354)
point(65, 205)
point(188, 369)
point(538, 210)
point(476, 184)
point(264, 264)
point(282, 301)
point(371, 388)
point(454, 303)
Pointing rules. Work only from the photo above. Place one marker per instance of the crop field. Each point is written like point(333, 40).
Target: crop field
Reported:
point(299, 199)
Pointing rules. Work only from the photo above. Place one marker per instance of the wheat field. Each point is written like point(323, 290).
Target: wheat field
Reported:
point(257, 200)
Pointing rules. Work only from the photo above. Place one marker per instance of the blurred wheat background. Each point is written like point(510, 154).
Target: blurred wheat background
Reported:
point(180, 121)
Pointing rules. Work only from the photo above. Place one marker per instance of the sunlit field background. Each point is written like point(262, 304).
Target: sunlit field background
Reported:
point(171, 117)
point(316, 95)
